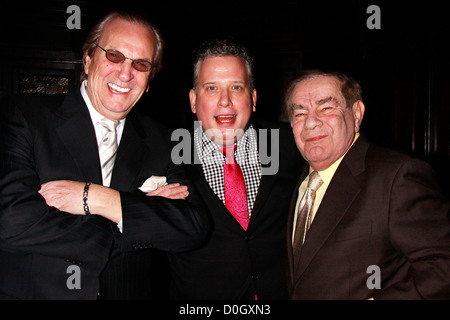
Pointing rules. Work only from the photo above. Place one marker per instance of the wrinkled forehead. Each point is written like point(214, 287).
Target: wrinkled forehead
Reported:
point(317, 90)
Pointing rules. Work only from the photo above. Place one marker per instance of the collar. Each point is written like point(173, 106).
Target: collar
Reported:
point(95, 115)
point(208, 149)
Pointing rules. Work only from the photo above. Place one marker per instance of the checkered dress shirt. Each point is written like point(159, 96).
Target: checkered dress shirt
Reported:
point(246, 155)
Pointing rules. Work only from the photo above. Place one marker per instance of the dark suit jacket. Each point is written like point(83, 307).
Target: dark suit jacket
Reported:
point(381, 209)
point(47, 138)
point(235, 264)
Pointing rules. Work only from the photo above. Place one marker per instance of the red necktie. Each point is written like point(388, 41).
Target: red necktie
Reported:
point(235, 193)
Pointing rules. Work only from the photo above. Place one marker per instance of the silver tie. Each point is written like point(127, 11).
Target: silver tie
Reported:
point(108, 148)
point(304, 212)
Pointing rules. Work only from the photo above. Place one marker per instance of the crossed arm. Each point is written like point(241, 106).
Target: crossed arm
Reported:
point(66, 196)
point(51, 222)
point(162, 220)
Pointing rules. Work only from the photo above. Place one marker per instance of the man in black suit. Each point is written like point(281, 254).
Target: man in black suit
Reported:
point(241, 260)
point(377, 225)
point(53, 251)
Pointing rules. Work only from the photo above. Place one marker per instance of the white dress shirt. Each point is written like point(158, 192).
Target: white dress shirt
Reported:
point(96, 117)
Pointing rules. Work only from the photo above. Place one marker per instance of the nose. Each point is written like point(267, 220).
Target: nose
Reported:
point(225, 99)
point(125, 71)
point(312, 121)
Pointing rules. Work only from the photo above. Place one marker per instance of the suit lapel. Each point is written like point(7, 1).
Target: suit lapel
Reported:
point(131, 155)
point(265, 187)
point(215, 205)
point(290, 223)
point(266, 182)
point(77, 133)
point(334, 206)
point(338, 198)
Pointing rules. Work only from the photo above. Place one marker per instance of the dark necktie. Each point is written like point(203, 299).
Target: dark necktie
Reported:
point(235, 193)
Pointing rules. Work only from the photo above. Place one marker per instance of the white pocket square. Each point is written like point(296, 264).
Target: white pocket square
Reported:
point(153, 183)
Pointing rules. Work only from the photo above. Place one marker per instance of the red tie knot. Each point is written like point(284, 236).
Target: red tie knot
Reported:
point(228, 152)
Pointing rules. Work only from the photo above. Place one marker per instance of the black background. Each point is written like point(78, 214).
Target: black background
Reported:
point(403, 67)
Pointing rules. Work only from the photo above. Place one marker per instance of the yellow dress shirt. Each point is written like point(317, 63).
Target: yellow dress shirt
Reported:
point(326, 176)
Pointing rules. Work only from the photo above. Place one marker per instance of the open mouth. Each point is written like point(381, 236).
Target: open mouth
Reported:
point(116, 89)
point(225, 119)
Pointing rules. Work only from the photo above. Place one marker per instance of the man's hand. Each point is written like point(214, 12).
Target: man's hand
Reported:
point(68, 196)
point(64, 195)
point(170, 191)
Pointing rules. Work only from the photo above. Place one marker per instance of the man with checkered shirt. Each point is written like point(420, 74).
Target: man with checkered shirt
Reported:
point(242, 259)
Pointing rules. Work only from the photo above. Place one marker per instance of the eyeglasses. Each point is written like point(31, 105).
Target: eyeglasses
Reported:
point(118, 57)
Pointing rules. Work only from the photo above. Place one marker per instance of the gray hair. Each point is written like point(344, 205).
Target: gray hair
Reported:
point(94, 36)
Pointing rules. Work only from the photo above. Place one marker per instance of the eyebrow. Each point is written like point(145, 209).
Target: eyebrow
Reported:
point(318, 103)
point(326, 100)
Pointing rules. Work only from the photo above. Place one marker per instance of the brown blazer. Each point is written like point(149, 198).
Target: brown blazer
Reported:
point(382, 209)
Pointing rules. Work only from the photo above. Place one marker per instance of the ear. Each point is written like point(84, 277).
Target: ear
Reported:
point(193, 100)
point(358, 113)
point(254, 100)
point(87, 64)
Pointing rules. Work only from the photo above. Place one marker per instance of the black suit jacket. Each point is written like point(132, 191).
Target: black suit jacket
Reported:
point(235, 264)
point(382, 210)
point(47, 138)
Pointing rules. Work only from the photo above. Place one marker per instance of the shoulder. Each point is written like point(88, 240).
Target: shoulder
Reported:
point(382, 161)
point(32, 108)
point(389, 158)
point(149, 126)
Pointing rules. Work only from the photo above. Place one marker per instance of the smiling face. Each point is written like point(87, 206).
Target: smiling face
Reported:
point(223, 101)
point(115, 88)
point(322, 124)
